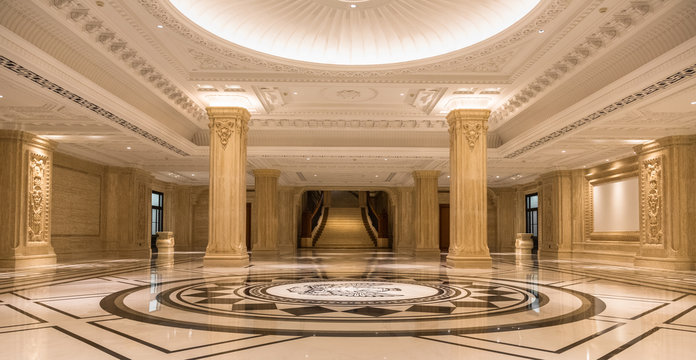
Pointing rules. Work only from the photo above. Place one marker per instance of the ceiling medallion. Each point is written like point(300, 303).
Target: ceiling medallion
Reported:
point(370, 33)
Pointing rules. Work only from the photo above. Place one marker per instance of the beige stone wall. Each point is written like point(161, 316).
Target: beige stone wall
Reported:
point(76, 224)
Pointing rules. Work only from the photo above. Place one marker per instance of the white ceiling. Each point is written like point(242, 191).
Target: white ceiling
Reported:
point(102, 79)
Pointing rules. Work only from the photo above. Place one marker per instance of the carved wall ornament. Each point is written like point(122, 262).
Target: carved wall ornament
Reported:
point(472, 131)
point(37, 207)
point(652, 200)
point(226, 128)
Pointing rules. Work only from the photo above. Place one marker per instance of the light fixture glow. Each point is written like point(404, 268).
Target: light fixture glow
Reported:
point(563, 151)
point(541, 31)
point(353, 6)
point(692, 103)
point(229, 101)
point(1, 96)
point(160, 26)
point(468, 102)
point(307, 159)
point(128, 147)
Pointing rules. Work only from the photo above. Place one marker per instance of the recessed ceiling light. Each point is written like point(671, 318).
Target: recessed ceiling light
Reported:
point(193, 174)
point(353, 6)
point(692, 103)
point(160, 26)
point(402, 94)
point(541, 31)
point(448, 176)
point(607, 160)
point(1, 96)
point(376, 175)
point(497, 176)
point(385, 159)
point(315, 174)
point(128, 147)
point(294, 92)
point(307, 159)
point(563, 151)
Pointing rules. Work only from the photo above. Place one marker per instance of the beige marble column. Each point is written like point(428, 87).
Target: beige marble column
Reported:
point(468, 192)
point(667, 203)
point(426, 214)
point(265, 235)
point(227, 208)
point(403, 223)
point(26, 167)
point(555, 215)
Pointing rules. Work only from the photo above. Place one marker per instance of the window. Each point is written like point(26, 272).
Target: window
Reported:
point(157, 210)
point(532, 209)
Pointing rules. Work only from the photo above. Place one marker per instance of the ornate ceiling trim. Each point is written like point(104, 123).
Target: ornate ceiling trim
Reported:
point(118, 48)
point(259, 124)
point(79, 100)
point(592, 45)
point(616, 105)
point(164, 14)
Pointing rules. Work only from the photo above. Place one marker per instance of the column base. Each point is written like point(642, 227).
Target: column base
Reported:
point(555, 254)
point(306, 242)
point(469, 262)
point(28, 261)
point(264, 254)
point(220, 260)
point(165, 249)
point(427, 253)
point(664, 263)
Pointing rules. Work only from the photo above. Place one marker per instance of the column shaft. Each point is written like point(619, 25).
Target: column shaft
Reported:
point(25, 190)
point(265, 240)
point(426, 219)
point(468, 193)
point(227, 209)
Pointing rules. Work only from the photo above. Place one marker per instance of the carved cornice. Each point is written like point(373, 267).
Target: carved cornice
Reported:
point(590, 46)
point(616, 105)
point(352, 124)
point(94, 27)
point(164, 14)
point(79, 100)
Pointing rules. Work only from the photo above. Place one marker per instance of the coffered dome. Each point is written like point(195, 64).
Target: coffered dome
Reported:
point(355, 32)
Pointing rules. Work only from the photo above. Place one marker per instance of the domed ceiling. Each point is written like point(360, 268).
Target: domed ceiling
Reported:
point(355, 32)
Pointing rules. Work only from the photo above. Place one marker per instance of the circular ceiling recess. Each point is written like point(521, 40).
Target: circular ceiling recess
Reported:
point(355, 32)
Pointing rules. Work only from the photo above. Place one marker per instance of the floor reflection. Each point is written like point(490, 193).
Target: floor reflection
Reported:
point(346, 305)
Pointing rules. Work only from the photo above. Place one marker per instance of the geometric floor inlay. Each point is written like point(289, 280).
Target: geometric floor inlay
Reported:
point(352, 305)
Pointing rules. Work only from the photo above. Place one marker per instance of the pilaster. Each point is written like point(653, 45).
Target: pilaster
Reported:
point(468, 190)
point(667, 186)
point(555, 214)
point(227, 205)
point(426, 213)
point(265, 239)
point(25, 209)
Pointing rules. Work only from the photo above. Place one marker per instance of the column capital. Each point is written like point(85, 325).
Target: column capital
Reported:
point(28, 138)
point(468, 115)
point(229, 112)
point(425, 174)
point(225, 121)
point(266, 173)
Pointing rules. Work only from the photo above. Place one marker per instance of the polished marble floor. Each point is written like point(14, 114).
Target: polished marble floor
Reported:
point(346, 305)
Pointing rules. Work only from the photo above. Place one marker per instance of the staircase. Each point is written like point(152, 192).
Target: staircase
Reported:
point(345, 229)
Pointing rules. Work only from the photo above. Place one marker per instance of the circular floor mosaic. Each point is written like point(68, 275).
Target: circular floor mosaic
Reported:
point(352, 305)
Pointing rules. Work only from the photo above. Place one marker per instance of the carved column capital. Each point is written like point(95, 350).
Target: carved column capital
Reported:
point(471, 123)
point(225, 121)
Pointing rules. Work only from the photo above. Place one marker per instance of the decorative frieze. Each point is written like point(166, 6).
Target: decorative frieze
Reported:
point(38, 199)
point(652, 201)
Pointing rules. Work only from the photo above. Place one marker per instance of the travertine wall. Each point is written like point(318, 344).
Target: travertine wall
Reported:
point(76, 224)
